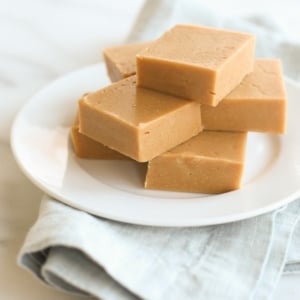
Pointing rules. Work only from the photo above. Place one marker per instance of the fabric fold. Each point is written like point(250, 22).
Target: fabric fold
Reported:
point(80, 253)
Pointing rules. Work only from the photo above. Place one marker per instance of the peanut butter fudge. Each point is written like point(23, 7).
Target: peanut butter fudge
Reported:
point(138, 122)
point(85, 147)
point(211, 162)
point(195, 62)
point(120, 60)
point(257, 104)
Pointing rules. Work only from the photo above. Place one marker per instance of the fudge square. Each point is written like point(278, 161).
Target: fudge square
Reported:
point(138, 122)
point(257, 104)
point(120, 61)
point(211, 162)
point(195, 62)
point(85, 147)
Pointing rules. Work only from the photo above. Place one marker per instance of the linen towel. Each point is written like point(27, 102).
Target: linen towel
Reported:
point(80, 253)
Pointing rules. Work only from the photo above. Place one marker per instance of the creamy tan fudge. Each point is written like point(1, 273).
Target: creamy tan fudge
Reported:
point(257, 104)
point(120, 61)
point(195, 62)
point(138, 122)
point(85, 147)
point(211, 162)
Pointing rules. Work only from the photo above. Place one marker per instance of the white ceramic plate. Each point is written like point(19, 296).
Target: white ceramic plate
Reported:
point(114, 189)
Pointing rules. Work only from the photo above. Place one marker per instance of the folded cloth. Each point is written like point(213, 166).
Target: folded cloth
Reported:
point(80, 253)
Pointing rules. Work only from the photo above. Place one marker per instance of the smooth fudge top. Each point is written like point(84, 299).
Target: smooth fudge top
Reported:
point(197, 63)
point(265, 82)
point(197, 45)
point(136, 106)
point(138, 122)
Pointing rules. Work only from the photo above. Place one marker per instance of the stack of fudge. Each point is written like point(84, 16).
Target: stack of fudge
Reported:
point(184, 104)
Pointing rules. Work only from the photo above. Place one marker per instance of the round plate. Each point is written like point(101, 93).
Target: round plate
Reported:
point(114, 189)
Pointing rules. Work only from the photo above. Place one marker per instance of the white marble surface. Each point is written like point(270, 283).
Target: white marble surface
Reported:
point(41, 40)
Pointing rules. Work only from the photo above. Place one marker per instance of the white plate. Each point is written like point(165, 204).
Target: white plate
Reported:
point(114, 189)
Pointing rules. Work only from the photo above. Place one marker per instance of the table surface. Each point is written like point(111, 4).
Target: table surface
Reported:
point(50, 48)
